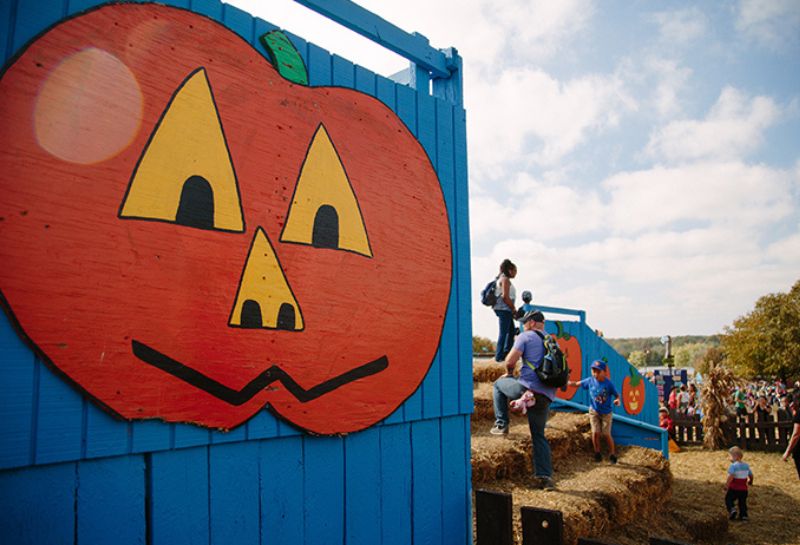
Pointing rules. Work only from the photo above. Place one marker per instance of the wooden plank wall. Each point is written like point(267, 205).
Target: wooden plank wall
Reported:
point(594, 347)
point(69, 473)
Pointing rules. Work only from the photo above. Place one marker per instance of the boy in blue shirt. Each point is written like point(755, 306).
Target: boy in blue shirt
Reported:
point(601, 390)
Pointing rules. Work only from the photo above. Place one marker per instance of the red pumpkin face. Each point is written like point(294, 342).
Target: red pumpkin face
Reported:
point(572, 352)
point(633, 392)
point(187, 236)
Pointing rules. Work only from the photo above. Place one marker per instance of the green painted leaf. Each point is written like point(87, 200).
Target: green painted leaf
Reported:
point(284, 57)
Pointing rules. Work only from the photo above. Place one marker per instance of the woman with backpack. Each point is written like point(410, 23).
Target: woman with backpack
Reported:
point(504, 308)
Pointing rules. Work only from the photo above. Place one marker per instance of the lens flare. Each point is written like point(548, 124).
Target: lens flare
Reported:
point(89, 109)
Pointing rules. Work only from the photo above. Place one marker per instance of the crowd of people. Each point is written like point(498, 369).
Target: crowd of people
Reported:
point(767, 400)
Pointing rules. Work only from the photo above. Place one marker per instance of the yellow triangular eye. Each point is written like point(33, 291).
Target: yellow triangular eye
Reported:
point(324, 211)
point(264, 299)
point(185, 174)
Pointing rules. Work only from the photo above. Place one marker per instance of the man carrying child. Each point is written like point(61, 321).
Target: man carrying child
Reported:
point(601, 390)
point(528, 347)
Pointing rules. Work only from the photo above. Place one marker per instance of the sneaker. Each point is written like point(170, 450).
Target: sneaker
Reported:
point(613, 458)
point(598, 457)
point(543, 483)
point(499, 430)
point(732, 514)
point(744, 519)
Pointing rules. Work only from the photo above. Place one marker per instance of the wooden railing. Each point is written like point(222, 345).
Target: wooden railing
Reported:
point(744, 431)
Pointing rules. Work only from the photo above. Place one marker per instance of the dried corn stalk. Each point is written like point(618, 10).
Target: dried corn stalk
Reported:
point(716, 394)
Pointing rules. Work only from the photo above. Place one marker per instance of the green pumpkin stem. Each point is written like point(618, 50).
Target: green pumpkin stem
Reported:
point(284, 57)
point(561, 334)
point(636, 378)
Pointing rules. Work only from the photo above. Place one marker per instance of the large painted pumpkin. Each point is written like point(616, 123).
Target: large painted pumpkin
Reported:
point(572, 353)
point(187, 236)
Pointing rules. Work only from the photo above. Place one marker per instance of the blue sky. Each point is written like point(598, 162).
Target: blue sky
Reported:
point(651, 148)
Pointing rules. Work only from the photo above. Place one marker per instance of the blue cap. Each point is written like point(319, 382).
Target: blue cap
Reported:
point(600, 365)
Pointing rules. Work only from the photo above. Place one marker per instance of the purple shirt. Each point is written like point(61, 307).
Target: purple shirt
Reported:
point(532, 348)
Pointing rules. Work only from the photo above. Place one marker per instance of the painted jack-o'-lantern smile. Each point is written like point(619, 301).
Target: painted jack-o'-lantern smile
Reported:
point(208, 238)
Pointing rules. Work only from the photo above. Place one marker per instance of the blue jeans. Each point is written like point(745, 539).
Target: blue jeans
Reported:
point(505, 339)
point(507, 389)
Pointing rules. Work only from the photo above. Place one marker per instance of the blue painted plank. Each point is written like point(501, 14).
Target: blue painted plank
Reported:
point(363, 488)
point(281, 472)
point(235, 497)
point(236, 434)
point(385, 92)
point(407, 111)
point(319, 66)
point(343, 72)
point(412, 46)
point(445, 167)
point(111, 501)
point(210, 8)
point(33, 17)
point(150, 436)
point(37, 505)
point(179, 497)
point(364, 80)
point(239, 21)
point(426, 134)
point(105, 435)
point(455, 480)
point(188, 435)
point(427, 481)
point(396, 484)
point(18, 375)
point(462, 262)
point(59, 425)
point(323, 489)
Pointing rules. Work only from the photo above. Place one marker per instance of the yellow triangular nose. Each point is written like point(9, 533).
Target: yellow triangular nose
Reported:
point(264, 299)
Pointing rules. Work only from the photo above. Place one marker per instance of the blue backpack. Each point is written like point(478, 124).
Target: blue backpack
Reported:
point(488, 295)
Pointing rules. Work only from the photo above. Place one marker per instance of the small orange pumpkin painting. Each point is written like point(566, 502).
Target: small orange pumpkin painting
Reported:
point(188, 236)
point(572, 353)
point(633, 392)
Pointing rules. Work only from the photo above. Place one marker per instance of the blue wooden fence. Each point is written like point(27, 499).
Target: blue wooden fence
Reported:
point(70, 473)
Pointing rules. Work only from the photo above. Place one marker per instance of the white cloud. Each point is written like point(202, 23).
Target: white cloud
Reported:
point(527, 115)
point(716, 192)
point(680, 27)
point(733, 127)
point(671, 80)
point(771, 23)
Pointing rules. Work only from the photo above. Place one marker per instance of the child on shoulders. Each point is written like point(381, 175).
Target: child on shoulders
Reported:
point(601, 390)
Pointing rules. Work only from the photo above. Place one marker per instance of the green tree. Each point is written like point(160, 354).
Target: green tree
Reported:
point(637, 358)
point(481, 344)
point(690, 355)
point(766, 342)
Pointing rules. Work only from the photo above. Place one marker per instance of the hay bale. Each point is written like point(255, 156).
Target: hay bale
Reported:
point(487, 370)
point(596, 498)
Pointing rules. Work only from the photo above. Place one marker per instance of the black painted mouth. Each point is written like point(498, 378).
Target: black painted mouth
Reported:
point(238, 397)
